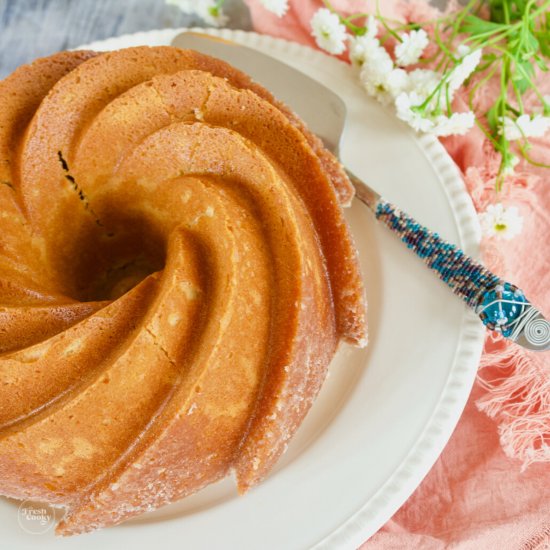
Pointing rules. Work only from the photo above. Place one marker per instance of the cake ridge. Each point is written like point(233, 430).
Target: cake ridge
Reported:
point(62, 396)
point(215, 194)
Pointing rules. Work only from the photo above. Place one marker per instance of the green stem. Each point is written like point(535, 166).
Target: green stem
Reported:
point(385, 25)
point(478, 85)
point(488, 135)
point(218, 5)
point(506, 45)
point(506, 12)
point(432, 59)
point(356, 16)
point(504, 146)
point(530, 160)
point(513, 110)
point(437, 90)
point(518, 96)
point(355, 29)
point(524, 73)
point(461, 16)
point(499, 34)
point(346, 21)
point(441, 44)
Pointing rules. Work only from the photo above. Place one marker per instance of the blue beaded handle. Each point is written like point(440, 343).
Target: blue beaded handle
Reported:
point(501, 306)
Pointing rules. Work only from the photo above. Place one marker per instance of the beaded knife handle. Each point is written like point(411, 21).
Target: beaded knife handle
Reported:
point(501, 306)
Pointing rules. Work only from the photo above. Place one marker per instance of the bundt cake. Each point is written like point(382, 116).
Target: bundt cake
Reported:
point(175, 275)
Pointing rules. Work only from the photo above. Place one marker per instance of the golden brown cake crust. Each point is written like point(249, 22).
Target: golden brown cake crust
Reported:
point(21, 94)
point(179, 276)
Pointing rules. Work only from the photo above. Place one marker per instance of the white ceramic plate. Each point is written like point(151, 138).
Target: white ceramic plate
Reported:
point(385, 413)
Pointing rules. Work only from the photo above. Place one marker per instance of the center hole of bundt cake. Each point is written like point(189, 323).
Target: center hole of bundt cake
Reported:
point(122, 277)
point(110, 261)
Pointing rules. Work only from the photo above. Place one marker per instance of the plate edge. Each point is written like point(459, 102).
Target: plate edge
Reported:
point(439, 428)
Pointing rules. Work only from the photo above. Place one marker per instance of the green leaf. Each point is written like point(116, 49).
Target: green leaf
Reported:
point(527, 67)
point(476, 26)
point(524, 71)
point(516, 9)
point(493, 118)
point(543, 37)
point(514, 42)
point(531, 44)
point(490, 57)
point(541, 64)
point(545, 47)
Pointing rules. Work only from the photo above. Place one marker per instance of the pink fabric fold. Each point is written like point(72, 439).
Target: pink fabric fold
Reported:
point(490, 488)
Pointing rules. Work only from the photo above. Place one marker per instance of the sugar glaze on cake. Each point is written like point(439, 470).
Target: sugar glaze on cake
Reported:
point(175, 276)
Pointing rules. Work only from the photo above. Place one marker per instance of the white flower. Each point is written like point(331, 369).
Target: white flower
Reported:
point(371, 28)
point(501, 221)
point(328, 32)
point(207, 10)
point(423, 82)
point(426, 121)
point(463, 70)
point(378, 73)
point(525, 126)
point(408, 91)
point(383, 86)
point(456, 124)
point(361, 47)
point(278, 7)
point(463, 50)
point(510, 129)
point(377, 64)
point(186, 6)
point(409, 50)
point(396, 82)
point(211, 13)
point(404, 104)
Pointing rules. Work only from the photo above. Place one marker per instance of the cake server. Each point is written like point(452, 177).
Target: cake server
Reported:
point(501, 306)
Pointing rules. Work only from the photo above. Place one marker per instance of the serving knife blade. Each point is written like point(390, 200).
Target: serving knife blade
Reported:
point(501, 306)
point(314, 97)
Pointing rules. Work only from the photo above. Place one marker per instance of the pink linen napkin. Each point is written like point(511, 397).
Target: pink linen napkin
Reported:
point(490, 488)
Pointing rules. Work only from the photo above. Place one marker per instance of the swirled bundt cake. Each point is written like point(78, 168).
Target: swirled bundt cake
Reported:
point(175, 275)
